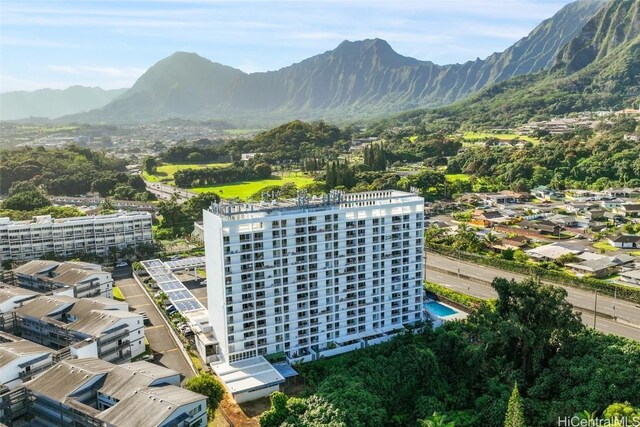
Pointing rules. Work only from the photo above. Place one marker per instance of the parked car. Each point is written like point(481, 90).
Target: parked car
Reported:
point(171, 309)
point(203, 283)
point(122, 264)
point(175, 257)
point(147, 357)
point(145, 318)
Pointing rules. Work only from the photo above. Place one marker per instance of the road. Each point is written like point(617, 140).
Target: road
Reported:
point(475, 280)
point(164, 191)
point(160, 339)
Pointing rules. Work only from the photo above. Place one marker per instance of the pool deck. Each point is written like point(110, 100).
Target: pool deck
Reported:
point(459, 315)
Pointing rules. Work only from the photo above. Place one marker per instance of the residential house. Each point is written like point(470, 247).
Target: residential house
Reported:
point(630, 209)
point(600, 267)
point(625, 241)
point(95, 392)
point(612, 203)
point(564, 220)
point(631, 277)
point(487, 218)
point(594, 214)
point(543, 192)
point(516, 242)
point(74, 279)
point(551, 252)
point(541, 226)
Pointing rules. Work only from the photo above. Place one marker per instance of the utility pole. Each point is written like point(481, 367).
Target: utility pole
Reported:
point(595, 310)
point(615, 300)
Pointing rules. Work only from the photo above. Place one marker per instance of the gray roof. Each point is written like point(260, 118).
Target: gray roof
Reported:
point(98, 321)
point(594, 265)
point(8, 292)
point(149, 406)
point(36, 267)
point(62, 380)
point(625, 238)
point(10, 351)
point(44, 305)
point(125, 379)
point(84, 306)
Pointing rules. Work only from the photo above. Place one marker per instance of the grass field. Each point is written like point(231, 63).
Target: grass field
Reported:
point(605, 246)
point(480, 136)
point(243, 190)
point(165, 173)
point(458, 177)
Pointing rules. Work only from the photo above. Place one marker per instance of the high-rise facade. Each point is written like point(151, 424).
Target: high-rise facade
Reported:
point(305, 277)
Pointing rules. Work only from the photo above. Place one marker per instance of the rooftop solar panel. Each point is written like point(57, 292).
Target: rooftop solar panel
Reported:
point(178, 295)
point(171, 286)
point(188, 305)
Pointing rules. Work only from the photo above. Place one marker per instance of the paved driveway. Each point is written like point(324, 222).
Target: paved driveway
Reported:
point(167, 352)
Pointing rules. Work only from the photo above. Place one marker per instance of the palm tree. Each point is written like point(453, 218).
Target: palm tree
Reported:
point(436, 420)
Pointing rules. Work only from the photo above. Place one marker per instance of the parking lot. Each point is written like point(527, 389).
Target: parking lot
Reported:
point(165, 349)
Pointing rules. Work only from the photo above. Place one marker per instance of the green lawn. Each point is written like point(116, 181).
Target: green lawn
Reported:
point(606, 246)
point(502, 136)
point(243, 190)
point(117, 294)
point(165, 173)
point(458, 177)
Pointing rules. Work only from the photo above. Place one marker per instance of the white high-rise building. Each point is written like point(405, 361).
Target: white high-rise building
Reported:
point(314, 277)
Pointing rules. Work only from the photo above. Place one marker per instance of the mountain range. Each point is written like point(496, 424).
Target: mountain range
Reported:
point(355, 80)
point(598, 69)
point(53, 103)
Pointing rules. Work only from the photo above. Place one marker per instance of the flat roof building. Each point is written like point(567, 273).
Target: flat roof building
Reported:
point(27, 240)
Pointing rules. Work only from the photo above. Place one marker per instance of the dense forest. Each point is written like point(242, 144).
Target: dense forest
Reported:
point(465, 372)
point(69, 171)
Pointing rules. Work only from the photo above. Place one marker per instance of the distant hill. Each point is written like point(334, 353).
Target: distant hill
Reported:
point(357, 79)
point(54, 103)
point(599, 69)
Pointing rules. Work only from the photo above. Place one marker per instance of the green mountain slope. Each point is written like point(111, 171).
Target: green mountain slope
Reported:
point(354, 80)
point(600, 69)
point(53, 103)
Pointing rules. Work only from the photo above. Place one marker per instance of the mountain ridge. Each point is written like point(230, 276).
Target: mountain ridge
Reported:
point(355, 80)
point(54, 103)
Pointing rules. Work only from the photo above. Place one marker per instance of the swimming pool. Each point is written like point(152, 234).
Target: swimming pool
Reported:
point(437, 309)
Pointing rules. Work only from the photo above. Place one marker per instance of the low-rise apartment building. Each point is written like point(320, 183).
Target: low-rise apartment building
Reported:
point(98, 393)
point(74, 279)
point(92, 327)
point(22, 360)
point(27, 240)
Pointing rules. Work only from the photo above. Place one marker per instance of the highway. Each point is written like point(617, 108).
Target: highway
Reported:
point(164, 191)
point(475, 280)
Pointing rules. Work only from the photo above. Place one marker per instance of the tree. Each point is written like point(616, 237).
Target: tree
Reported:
point(278, 412)
point(436, 420)
point(207, 385)
point(193, 207)
point(26, 201)
point(515, 415)
point(262, 170)
point(22, 187)
point(149, 164)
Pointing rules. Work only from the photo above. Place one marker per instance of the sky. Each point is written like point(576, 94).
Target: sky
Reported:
point(109, 44)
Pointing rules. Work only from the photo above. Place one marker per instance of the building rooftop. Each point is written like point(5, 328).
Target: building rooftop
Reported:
point(125, 379)
point(44, 305)
point(248, 374)
point(62, 380)
point(10, 351)
point(8, 292)
point(47, 219)
point(149, 406)
point(331, 201)
point(98, 321)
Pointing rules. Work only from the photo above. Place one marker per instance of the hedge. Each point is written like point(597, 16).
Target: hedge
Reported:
point(627, 293)
point(465, 300)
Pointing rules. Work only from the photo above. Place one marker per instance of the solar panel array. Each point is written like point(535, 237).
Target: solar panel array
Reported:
point(178, 294)
point(192, 262)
